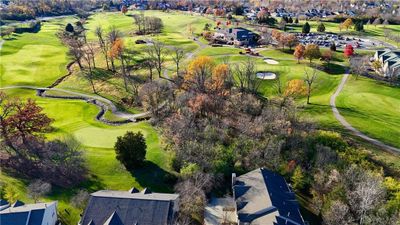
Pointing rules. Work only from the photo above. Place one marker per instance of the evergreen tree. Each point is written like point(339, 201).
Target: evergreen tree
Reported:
point(306, 28)
point(359, 26)
point(333, 46)
point(321, 27)
point(131, 149)
point(296, 20)
point(290, 20)
point(69, 28)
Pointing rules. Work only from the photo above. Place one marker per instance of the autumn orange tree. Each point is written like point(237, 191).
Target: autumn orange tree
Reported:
point(117, 51)
point(276, 35)
point(291, 40)
point(299, 52)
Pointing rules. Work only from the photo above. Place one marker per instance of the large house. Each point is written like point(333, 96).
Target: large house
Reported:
point(390, 60)
point(263, 197)
point(28, 214)
point(239, 36)
point(131, 207)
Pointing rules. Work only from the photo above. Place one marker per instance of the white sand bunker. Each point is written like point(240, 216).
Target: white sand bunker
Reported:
point(271, 61)
point(266, 75)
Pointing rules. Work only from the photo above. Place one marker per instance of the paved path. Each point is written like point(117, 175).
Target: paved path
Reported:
point(1, 44)
point(94, 99)
point(356, 132)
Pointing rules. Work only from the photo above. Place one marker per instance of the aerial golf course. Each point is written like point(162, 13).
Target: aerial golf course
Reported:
point(368, 105)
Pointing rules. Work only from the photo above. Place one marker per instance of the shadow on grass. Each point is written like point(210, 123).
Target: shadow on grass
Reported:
point(154, 177)
point(331, 68)
point(92, 184)
point(102, 74)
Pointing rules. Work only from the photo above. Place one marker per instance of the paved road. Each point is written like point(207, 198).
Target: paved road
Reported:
point(356, 132)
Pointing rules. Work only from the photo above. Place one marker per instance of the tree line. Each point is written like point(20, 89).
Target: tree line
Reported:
point(30, 9)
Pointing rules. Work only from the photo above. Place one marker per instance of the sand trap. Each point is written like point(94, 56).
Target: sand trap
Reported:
point(266, 75)
point(271, 61)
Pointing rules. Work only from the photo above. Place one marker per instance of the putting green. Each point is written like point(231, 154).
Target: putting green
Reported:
point(101, 138)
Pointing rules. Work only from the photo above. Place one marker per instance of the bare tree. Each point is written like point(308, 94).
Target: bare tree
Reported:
point(153, 94)
point(88, 56)
point(80, 199)
point(157, 53)
point(74, 44)
point(309, 78)
point(177, 56)
point(75, 51)
point(359, 65)
point(247, 77)
point(192, 192)
point(103, 43)
point(364, 192)
point(38, 189)
point(367, 194)
point(338, 213)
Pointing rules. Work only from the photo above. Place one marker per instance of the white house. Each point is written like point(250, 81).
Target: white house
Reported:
point(27, 214)
point(390, 60)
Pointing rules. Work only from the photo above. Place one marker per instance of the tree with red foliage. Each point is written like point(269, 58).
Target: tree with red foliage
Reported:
point(348, 51)
point(21, 121)
point(124, 9)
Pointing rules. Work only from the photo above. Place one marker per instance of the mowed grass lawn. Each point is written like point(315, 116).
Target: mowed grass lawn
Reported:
point(38, 59)
point(174, 34)
point(75, 119)
point(373, 108)
point(34, 58)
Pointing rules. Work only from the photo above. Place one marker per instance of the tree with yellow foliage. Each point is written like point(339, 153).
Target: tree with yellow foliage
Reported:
point(295, 88)
point(198, 71)
point(218, 78)
point(347, 23)
point(10, 194)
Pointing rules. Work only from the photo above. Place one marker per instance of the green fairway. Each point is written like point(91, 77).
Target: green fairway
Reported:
point(373, 108)
point(76, 118)
point(39, 59)
point(34, 58)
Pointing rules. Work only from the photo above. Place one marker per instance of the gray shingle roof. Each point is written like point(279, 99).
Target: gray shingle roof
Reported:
point(21, 214)
point(264, 198)
point(127, 208)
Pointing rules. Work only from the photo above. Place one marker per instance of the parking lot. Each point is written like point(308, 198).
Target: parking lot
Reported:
point(325, 40)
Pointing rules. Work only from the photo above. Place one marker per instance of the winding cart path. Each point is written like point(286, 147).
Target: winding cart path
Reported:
point(347, 125)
